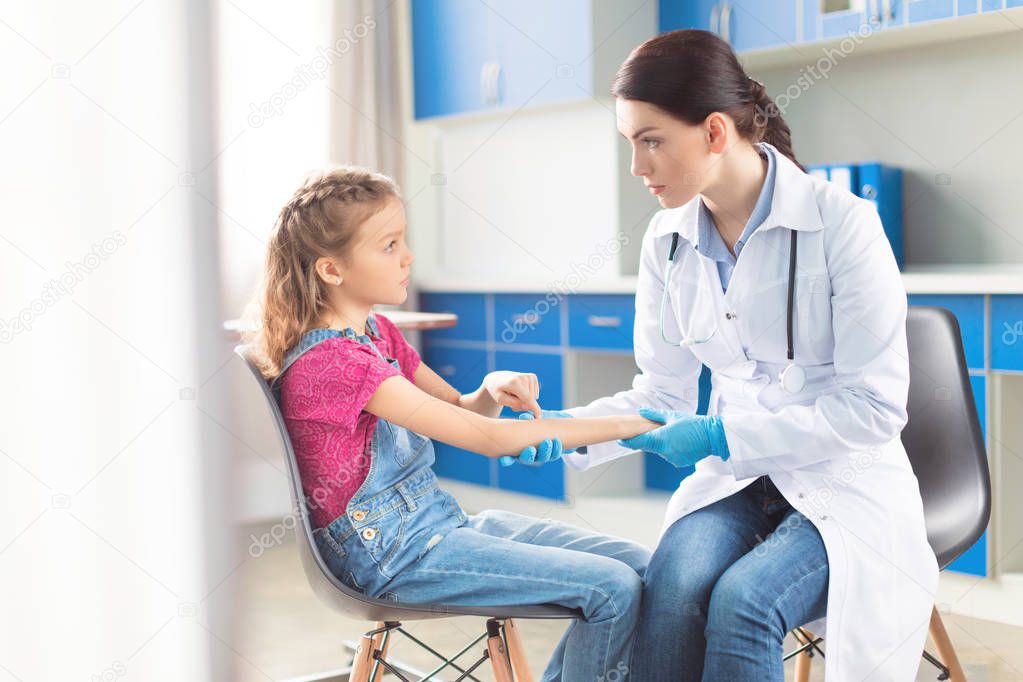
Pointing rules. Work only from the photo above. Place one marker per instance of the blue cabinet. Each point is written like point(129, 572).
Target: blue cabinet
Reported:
point(447, 67)
point(969, 311)
point(659, 474)
point(546, 481)
point(477, 55)
point(542, 48)
point(601, 321)
point(746, 24)
point(526, 318)
point(1007, 333)
point(759, 24)
point(470, 308)
point(927, 10)
point(464, 369)
point(700, 14)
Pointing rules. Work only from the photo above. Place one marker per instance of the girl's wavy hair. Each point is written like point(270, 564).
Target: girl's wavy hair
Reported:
point(321, 219)
point(690, 74)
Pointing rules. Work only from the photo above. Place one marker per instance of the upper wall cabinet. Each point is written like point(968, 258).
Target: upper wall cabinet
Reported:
point(752, 25)
point(746, 24)
point(472, 56)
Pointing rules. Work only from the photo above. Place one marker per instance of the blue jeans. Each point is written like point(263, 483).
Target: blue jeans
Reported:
point(500, 557)
point(724, 585)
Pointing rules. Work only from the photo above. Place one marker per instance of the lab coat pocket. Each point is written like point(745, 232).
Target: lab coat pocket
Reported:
point(813, 333)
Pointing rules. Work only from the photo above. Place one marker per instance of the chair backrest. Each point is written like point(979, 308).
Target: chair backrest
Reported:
point(326, 586)
point(943, 437)
point(335, 593)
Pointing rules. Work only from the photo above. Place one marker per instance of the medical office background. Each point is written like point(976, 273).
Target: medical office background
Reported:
point(149, 145)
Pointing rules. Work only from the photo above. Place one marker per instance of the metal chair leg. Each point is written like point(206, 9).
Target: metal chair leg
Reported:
point(946, 652)
point(498, 653)
point(520, 666)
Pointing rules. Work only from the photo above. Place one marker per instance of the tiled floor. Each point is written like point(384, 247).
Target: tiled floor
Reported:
point(284, 632)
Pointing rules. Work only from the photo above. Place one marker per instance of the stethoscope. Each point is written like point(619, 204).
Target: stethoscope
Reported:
point(793, 377)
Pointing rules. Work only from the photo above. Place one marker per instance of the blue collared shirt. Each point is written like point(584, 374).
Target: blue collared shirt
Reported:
point(710, 242)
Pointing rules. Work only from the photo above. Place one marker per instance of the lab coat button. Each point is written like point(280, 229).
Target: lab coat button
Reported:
point(358, 515)
point(368, 534)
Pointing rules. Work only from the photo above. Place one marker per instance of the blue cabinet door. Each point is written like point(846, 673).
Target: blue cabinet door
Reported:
point(659, 474)
point(543, 50)
point(1007, 333)
point(759, 24)
point(601, 321)
point(450, 46)
point(543, 480)
point(526, 318)
point(471, 310)
point(927, 10)
point(676, 14)
point(464, 369)
point(843, 19)
point(969, 310)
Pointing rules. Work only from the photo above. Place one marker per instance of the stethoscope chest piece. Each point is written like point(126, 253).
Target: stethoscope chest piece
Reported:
point(792, 378)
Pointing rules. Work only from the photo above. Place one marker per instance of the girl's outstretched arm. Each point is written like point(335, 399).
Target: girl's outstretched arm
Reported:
point(400, 402)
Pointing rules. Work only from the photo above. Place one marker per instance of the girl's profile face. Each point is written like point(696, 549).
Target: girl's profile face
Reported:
point(671, 157)
point(377, 268)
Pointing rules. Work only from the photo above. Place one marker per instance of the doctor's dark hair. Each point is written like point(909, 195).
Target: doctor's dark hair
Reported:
point(690, 74)
point(320, 219)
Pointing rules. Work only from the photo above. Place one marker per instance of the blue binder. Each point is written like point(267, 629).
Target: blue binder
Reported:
point(883, 185)
point(880, 184)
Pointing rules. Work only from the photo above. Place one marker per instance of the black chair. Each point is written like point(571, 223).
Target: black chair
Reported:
point(946, 449)
point(504, 647)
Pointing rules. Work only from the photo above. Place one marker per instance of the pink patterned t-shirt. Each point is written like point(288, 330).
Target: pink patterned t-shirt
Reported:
point(322, 399)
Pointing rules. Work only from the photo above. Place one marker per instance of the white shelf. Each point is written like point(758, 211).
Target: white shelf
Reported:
point(896, 37)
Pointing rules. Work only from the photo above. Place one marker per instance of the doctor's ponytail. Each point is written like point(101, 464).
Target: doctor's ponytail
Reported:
point(691, 74)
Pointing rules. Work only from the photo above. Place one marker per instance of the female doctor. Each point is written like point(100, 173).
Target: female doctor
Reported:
point(803, 505)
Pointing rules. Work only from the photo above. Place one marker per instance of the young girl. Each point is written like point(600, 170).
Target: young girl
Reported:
point(361, 408)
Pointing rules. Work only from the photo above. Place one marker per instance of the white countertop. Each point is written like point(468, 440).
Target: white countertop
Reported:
point(920, 279)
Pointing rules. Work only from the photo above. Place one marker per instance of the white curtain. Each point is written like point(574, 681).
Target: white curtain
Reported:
point(367, 122)
point(113, 536)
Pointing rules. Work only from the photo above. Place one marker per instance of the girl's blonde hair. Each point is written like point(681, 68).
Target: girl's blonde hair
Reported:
point(321, 219)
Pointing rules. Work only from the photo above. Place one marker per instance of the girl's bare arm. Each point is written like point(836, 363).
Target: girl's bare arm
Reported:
point(400, 402)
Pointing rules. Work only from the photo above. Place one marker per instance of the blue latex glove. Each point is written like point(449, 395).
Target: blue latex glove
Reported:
point(684, 439)
point(549, 450)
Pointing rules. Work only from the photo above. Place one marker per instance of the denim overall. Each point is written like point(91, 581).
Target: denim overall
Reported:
point(399, 512)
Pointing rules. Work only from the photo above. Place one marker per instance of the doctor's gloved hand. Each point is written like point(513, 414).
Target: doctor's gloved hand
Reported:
point(549, 450)
point(684, 439)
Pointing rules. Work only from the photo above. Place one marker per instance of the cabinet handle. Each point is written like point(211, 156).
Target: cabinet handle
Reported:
point(715, 26)
point(611, 321)
point(726, 21)
point(488, 82)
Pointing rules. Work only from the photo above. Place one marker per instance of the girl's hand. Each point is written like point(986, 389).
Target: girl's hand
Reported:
point(515, 390)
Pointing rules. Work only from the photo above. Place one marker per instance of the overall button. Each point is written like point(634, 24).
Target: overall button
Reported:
point(358, 515)
point(368, 533)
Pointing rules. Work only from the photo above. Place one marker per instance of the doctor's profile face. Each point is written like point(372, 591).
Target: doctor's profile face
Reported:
point(671, 157)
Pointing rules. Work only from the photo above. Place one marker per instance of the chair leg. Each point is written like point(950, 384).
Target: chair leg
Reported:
point(383, 645)
point(946, 652)
point(362, 665)
point(803, 662)
point(520, 666)
point(498, 653)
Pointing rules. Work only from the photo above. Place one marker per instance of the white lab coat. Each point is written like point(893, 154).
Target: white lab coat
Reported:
point(834, 450)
